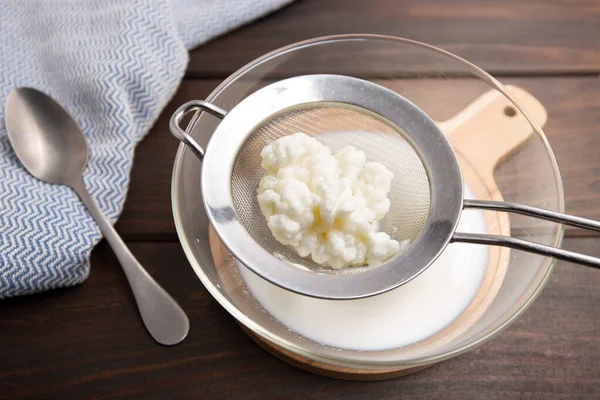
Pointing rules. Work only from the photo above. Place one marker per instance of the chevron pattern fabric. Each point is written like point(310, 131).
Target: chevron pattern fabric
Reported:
point(114, 65)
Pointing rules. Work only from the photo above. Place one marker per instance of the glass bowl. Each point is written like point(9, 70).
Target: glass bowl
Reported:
point(440, 84)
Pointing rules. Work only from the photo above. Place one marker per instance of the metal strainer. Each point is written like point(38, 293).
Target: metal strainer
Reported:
point(426, 196)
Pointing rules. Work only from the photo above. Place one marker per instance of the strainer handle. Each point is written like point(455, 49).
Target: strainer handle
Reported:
point(531, 211)
point(183, 134)
point(525, 245)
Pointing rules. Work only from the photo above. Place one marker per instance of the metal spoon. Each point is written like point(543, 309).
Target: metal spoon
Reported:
point(51, 146)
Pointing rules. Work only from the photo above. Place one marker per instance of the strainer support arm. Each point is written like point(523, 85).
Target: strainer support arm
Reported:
point(526, 245)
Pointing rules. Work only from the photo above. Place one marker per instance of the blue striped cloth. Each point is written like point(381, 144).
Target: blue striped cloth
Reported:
point(114, 65)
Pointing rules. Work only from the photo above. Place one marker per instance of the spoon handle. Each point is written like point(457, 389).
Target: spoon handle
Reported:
point(165, 320)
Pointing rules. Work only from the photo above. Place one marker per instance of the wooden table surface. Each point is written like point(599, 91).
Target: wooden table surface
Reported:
point(88, 341)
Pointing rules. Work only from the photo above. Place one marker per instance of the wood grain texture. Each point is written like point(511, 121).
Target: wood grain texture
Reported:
point(88, 342)
point(508, 37)
point(573, 129)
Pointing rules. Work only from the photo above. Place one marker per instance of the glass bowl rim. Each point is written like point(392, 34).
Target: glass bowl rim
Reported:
point(345, 361)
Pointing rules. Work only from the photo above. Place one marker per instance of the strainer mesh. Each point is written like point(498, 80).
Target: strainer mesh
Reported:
point(335, 126)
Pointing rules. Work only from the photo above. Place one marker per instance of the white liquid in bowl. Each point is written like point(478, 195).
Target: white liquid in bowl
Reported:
point(408, 314)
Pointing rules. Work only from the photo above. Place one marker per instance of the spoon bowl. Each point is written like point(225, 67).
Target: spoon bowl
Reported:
point(45, 137)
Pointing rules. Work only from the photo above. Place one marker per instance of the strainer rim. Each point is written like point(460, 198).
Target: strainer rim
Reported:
point(435, 151)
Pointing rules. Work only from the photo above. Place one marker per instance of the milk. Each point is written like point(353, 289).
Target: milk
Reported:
point(408, 314)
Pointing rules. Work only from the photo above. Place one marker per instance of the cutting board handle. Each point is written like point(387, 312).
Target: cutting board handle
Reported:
point(491, 128)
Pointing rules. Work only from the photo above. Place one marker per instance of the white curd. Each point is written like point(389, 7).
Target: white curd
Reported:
point(326, 205)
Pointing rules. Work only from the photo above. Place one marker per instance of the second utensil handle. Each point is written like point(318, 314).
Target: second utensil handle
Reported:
point(163, 317)
point(528, 246)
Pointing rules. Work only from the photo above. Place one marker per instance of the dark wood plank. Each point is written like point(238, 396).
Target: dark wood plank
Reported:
point(511, 37)
point(573, 105)
point(88, 342)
